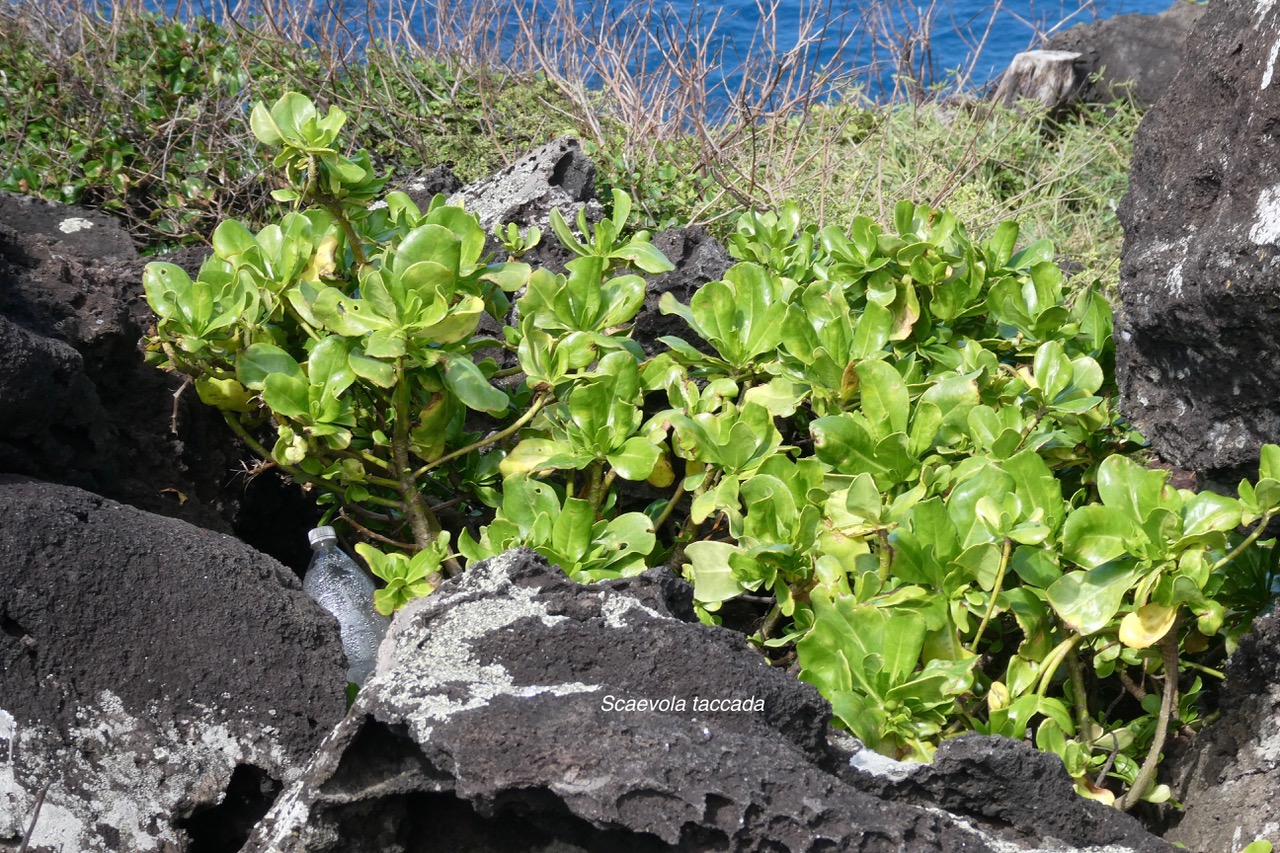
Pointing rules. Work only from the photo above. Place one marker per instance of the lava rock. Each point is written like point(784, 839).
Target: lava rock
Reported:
point(78, 404)
point(1198, 359)
point(1130, 57)
point(69, 231)
point(149, 670)
point(438, 180)
point(495, 721)
point(47, 398)
point(556, 175)
point(1001, 782)
point(1228, 780)
point(698, 259)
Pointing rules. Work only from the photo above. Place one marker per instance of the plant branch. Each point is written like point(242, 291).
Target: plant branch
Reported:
point(373, 534)
point(595, 484)
point(1080, 701)
point(676, 496)
point(1147, 773)
point(995, 594)
point(366, 456)
point(770, 622)
point(1249, 540)
point(1136, 690)
point(1209, 671)
point(1054, 659)
point(885, 554)
point(190, 369)
point(423, 523)
point(35, 816)
point(353, 239)
point(492, 438)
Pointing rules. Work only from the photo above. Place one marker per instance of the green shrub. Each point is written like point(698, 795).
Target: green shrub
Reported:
point(903, 439)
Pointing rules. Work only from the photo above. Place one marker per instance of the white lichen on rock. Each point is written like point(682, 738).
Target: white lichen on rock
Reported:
point(430, 654)
point(74, 224)
point(870, 761)
point(1266, 220)
point(130, 774)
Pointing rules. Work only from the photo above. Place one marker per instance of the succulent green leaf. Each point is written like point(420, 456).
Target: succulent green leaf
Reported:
point(428, 243)
point(264, 126)
point(1094, 535)
point(884, 398)
point(1053, 370)
point(1036, 487)
point(1129, 488)
point(231, 240)
point(644, 256)
point(167, 286)
point(464, 379)
point(713, 577)
point(635, 459)
point(287, 396)
point(261, 360)
point(329, 367)
point(571, 532)
point(1208, 512)
point(1088, 601)
point(378, 372)
point(290, 114)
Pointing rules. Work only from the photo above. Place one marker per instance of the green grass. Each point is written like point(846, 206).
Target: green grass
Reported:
point(147, 117)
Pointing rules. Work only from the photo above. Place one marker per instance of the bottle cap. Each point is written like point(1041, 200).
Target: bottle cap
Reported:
point(321, 535)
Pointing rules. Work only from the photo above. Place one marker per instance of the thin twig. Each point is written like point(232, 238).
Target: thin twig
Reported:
point(1169, 701)
point(35, 816)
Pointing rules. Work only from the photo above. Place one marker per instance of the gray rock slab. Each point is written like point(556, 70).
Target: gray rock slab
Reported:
point(556, 175)
point(142, 660)
point(505, 715)
point(1198, 357)
point(1229, 779)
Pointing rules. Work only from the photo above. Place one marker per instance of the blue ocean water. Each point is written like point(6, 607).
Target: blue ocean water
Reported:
point(970, 39)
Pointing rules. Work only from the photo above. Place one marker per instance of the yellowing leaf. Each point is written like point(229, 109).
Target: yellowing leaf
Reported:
point(1085, 788)
point(1145, 626)
point(663, 474)
point(226, 394)
point(527, 455)
point(325, 260)
point(997, 697)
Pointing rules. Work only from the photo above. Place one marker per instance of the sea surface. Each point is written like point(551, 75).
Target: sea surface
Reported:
point(969, 40)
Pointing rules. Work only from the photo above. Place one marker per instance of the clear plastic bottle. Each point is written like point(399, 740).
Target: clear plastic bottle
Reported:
point(340, 586)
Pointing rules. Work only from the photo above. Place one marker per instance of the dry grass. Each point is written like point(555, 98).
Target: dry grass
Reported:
point(114, 107)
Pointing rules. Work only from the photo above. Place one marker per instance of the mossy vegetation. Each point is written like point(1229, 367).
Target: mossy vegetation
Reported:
point(142, 115)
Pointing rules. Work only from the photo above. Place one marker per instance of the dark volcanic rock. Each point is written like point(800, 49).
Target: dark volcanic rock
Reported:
point(1229, 778)
point(698, 259)
point(493, 723)
point(79, 406)
point(147, 668)
point(1198, 357)
point(1134, 57)
point(438, 180)
point(1003, 783)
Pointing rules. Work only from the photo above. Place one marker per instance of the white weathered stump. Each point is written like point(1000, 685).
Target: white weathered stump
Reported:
point(1046, 76)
